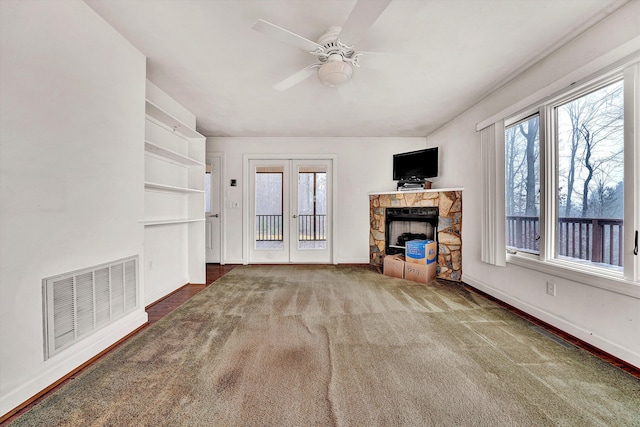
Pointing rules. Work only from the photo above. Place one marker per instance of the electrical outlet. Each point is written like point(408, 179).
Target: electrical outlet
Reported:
point(551, 289)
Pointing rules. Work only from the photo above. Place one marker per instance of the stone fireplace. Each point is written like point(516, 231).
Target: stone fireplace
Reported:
point(414, 212)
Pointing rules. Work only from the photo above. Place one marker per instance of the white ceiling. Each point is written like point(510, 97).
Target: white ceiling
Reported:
point(206, 56)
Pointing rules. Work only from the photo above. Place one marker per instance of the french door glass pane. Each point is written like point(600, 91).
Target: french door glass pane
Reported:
point(269, 233)
point(590, 178)
point(312, 208)
point(522, 185)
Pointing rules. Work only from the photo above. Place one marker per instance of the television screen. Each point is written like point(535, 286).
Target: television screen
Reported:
point(415, 165)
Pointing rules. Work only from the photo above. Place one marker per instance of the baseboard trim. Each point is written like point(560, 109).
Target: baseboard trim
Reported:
point(571, 333)
point(69, 375)
point(165, 296)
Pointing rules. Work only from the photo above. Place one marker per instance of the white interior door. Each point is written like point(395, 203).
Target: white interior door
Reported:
point(212, 185)
point(290, 205)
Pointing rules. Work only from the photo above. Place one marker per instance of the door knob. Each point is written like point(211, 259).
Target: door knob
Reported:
point(294, 216)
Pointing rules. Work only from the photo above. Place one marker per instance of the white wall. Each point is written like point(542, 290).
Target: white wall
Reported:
point(72, 168)
point(364, 165)
point(609, 320)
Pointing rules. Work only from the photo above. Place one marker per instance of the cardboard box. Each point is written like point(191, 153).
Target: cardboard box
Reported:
point(421, 252)
point(422, 273)
point(394, 266)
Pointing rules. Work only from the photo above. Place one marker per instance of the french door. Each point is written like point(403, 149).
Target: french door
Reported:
point(290, 211)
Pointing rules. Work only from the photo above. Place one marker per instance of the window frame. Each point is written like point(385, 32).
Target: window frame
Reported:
point(626, 282)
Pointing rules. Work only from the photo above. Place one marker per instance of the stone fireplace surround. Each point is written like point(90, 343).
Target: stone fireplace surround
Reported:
point(449, 204)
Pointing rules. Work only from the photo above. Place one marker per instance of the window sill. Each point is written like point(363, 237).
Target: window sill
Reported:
point(593, 278)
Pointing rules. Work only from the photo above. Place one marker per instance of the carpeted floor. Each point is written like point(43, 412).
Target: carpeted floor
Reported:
point(342, 346)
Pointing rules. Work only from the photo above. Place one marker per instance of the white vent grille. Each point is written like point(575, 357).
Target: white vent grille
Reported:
point(78, 303)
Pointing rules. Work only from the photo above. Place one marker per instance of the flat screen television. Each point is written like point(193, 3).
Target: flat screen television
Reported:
point(416, 165)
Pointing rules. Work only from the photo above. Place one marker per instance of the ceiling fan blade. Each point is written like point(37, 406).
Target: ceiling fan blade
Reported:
point(363, 15)
point(293, 80)
point(285, 36)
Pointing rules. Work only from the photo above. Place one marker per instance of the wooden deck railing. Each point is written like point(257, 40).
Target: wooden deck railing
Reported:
point(310, 227)
point(598, 240)
point(269, 228)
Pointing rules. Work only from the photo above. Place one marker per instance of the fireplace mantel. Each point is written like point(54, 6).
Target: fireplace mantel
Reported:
point(449, 204)
point(432, 190)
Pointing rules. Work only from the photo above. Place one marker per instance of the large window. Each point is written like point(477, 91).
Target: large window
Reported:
point(590, 203)
point(567, 161)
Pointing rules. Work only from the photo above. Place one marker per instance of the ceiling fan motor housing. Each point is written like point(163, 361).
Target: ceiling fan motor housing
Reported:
point(336, 68)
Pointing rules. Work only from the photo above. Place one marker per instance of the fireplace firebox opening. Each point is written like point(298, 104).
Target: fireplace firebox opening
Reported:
point(405, 224)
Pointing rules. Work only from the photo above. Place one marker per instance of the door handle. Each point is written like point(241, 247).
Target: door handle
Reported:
point(214, 216)
point(294, 216)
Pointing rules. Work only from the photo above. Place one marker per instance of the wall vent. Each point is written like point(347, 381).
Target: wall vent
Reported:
point(79, 303)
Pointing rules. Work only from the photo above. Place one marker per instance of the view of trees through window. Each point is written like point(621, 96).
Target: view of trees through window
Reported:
point(590, 144)
point(522, 184)
point(589, 171)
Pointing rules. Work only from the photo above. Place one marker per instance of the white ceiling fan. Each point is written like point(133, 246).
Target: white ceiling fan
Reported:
point(334, 49)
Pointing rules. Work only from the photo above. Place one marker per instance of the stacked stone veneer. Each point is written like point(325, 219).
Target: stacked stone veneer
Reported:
point(449, 204)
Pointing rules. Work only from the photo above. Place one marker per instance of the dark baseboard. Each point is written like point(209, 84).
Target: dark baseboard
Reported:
point(66, 378)
point(603, 355)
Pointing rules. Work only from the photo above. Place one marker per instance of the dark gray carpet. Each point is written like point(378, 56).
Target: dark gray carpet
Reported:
point(342, 346)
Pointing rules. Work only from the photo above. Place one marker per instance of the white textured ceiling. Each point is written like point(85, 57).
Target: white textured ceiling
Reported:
point(206, 56)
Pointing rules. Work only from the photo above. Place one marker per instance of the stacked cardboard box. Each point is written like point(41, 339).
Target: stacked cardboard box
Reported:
point(394, 266)
point(419, 265)
point(421, 260)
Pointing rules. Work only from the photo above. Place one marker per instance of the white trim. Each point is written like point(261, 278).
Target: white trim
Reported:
point(632, 169)
point(559, 322)
point(577, 273)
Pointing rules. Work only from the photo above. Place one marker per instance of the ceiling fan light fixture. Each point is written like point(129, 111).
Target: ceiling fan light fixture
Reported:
point(335, 71)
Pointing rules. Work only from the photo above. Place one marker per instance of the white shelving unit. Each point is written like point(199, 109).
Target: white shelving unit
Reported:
point(174, 197)
point(164, 187)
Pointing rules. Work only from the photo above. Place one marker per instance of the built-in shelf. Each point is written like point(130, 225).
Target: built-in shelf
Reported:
point(170, 221)
point(174, 197)
point(167, 119)
point(150, 147)
point(155, 186)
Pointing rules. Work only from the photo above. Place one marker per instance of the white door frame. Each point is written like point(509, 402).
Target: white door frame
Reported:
point(221, 219)
point(246, 196)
